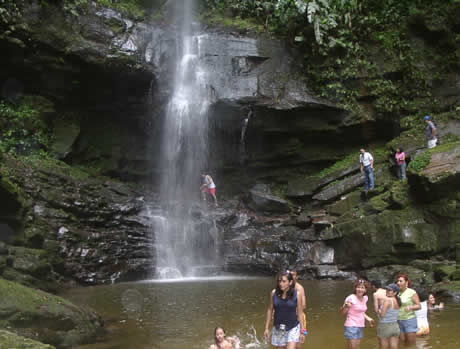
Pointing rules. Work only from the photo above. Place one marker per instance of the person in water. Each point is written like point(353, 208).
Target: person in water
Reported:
point(423, 327)
point(208, 186)
point(388, 329)
point(432, 303)
point(223, 342)
point(379, 294)
point(299, 288)
point(354, 308)
point(407, 319)
point(286, 308)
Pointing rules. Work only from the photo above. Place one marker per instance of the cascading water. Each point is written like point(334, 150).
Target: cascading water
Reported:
point(185, 243)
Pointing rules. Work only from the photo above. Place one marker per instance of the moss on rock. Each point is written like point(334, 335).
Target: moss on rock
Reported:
point(45, 317)
point(9, 340)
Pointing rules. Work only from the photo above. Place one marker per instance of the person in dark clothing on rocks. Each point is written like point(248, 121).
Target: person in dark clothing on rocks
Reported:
point(430, 133)
point(366, 162)
point(286, 308)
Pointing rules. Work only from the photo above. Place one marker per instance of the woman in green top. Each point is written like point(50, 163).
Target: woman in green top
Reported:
point(407, 320)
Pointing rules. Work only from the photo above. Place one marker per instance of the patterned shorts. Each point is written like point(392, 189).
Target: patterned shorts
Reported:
point(282, 338)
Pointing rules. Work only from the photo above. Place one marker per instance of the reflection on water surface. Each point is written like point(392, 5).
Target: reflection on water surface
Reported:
point(173, 315)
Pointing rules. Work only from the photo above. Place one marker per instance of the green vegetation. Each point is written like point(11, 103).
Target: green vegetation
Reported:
point(379, 154)
point(420, 162)
point(356, 50)
point(23, 126)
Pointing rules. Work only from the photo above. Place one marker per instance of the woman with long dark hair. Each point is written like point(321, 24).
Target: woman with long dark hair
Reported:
point(388, 329)
point(354, 308)
point(286, 310)
point(409, 303)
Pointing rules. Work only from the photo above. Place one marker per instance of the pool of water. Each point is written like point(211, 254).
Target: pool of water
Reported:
point(173, 315)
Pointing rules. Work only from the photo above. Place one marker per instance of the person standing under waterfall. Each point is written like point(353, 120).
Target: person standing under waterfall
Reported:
point(303, 300)
point(286, 310)
point(208, 186)
point(367, 167)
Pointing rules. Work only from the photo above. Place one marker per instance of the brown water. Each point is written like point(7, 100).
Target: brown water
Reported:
point(173, 315)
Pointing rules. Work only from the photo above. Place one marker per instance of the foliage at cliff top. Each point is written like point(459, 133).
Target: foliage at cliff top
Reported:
point(136, 9)
point(23, 125)
point(369, 40)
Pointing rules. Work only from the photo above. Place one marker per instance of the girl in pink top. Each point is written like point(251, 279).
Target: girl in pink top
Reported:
point(355, 307)
point(400, 157)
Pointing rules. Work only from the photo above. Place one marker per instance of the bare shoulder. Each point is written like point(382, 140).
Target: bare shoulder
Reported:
point(213, 346)
point(299, 287)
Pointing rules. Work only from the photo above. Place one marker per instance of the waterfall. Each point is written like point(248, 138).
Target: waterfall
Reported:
point(244, 128)
point(183, 243)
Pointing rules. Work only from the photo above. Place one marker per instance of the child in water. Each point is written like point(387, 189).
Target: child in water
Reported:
point(223, 342)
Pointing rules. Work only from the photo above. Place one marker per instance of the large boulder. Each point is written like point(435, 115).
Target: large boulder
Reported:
point(391, 237)
point(434, 173)
point(264, 202)
point(44, 317)
point(9, 340)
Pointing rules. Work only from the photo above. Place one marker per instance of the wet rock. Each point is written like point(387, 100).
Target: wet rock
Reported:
point(341, 188)
point(264, 202)
point(444, 271)
point(301, 188)
point(440, 175)
point(303, 221)
point(390, 237)
point(331, 272)
point(44, 317)
point(321, 223)
point(346, 203)
point(11, 340)
point(387, 274)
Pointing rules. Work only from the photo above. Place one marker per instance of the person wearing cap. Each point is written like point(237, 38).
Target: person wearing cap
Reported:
point(430, 133)
point(388, 329)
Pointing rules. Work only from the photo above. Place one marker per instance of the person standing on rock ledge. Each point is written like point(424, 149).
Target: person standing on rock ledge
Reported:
point(367, 167)
point(430, 133)
point(208, 186)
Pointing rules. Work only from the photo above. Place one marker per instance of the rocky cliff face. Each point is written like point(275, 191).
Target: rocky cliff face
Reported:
point(286, 158)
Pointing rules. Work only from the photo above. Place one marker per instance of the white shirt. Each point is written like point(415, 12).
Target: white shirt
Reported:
point(210, 182)
point(366, 159)
point(422, 317)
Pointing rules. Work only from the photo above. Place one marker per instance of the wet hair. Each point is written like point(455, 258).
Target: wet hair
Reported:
point(421, 294)
point(363, 282)
point(376, 283)
point(215, 331)
point(290, 292)
point(405, 277)
point(398, 298)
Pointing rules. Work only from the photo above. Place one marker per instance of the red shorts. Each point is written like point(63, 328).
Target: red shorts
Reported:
point(211, 191)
